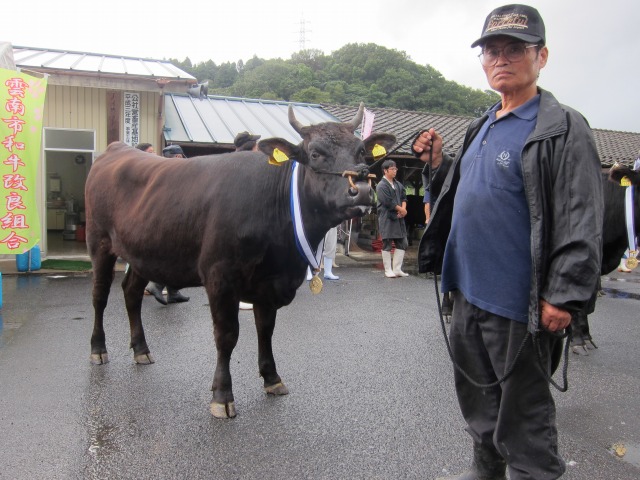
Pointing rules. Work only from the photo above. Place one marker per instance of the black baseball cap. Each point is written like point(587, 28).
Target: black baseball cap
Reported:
point(518, 21)
point(171, 150)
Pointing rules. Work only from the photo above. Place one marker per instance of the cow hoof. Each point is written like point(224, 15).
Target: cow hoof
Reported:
point(223, 410)
point(99, 358)
point(144, 359)
point(277, 389)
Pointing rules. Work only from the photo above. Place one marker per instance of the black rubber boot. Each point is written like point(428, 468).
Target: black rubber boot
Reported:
point(156, 290)
point(174, 296)
point(487, 465)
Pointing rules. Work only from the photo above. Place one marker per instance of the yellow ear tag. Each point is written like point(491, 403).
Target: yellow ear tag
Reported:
point(277, 157)
point(378, 151)
point(625, 182)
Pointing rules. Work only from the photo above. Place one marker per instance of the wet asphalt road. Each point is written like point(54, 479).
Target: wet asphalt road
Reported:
point(370, 381)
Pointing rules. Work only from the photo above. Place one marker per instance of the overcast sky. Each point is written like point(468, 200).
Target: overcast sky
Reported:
point(594, 48)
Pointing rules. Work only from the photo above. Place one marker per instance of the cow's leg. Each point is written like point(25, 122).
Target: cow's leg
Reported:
point(224, 311)
point(265, 324)
point(581, 341)
point(447, 306)
point(103, 274)
point(133, 286)
point(580, 327)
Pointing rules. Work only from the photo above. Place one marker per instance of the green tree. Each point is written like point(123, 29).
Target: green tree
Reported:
point(377, 75)
point(311, 95)
point(226, 76)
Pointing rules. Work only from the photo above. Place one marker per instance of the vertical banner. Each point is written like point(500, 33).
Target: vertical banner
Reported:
point(22, 97)
point(131, 118)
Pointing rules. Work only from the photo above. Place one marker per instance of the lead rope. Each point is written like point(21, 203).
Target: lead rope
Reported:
point(511, 368)
point(413, 135)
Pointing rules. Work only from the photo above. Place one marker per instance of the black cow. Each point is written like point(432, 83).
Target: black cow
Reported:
point(225, 222)
point(615, 237)
point(615, 240)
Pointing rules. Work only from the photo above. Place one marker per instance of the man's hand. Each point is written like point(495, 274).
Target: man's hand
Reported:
point(553, 318)
point(426, 141)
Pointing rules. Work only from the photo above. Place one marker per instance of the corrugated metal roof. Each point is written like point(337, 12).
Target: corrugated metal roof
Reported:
point(70, 61)
point(218, 119)
point(622, 147)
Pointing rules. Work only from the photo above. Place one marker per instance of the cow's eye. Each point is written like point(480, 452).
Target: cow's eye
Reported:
point(316, 155)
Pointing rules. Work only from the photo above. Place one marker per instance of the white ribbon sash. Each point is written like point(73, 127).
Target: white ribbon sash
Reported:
point(312, 257)
point(629, 217)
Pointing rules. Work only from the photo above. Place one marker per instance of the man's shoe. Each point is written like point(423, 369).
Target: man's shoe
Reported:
point(487, 465)
point(328, 266)
point(174, 296)
point(156, 290)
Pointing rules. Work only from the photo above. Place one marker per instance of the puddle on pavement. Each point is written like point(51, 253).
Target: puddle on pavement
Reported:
point(633, 279)
point(627, 452)
point(615, 293)
point(7, 329)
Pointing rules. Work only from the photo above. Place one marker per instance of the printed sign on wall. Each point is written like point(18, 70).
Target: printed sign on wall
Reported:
point(131, 118)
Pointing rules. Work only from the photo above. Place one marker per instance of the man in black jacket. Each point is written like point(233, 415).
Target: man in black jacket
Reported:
point(519, 249)
point(156, 289)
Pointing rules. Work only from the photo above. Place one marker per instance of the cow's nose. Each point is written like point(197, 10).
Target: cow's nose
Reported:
point(362, 193)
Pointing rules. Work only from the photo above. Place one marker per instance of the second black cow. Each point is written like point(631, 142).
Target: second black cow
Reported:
point(615, 240)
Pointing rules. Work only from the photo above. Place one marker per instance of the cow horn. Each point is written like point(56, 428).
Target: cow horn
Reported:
point(297, 126)
point(357, 120)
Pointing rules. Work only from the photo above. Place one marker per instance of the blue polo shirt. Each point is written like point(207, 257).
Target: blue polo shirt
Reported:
point(488, 253)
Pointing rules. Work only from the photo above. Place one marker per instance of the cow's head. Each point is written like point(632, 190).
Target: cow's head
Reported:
point(624, 175)
point(334, 160)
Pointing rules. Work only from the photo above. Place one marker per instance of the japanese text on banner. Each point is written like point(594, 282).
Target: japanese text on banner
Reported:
point(131, 118)
point(22, 97)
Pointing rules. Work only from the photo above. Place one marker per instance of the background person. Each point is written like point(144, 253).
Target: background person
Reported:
point(245, 142)
point(427, 206)
point(517, 235)
point(391, 210)
point(145, 147)
point(156, 289)
point(329, 253)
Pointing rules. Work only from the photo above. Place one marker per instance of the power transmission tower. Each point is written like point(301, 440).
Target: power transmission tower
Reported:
point(302, 40)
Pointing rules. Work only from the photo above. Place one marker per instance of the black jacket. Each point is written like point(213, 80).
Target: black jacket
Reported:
point(390, 225)
point(561, 175)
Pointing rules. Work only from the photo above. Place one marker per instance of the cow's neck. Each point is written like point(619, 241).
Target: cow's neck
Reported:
point(315, 221)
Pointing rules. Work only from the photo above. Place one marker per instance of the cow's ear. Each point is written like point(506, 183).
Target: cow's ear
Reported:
point(623, 175)
point(268, 145)
point(385, 140)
